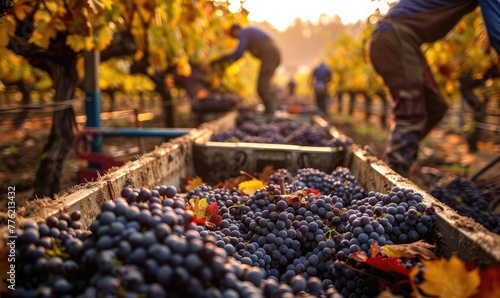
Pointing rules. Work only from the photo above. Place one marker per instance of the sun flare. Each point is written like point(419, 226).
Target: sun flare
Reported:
point(282, 13)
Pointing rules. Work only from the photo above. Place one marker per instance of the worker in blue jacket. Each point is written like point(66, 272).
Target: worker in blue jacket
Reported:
point(262, 47)
point(320, 77)
point(396, 55)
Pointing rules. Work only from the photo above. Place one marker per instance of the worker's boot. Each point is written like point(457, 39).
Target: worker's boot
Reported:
point(269, 101)
point(402, 152)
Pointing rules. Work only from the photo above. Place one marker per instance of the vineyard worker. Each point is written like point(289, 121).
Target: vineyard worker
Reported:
point(262, 47)
point(320, 78)
point(396, 55)
point(292, 85)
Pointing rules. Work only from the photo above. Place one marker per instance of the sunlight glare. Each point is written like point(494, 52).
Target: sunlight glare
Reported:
point(234, 6)
point(282, 13)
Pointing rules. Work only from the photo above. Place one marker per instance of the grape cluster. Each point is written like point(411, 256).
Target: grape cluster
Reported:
point(281, 173)
point(272, 243)
point(48, 256)
point(468, 200)
point(312, 236)
point(278, 131)
point(139, 245)
point(340, 183)
point(315, 179)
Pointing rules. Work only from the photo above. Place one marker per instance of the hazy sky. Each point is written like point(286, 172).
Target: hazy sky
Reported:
point(281, 13)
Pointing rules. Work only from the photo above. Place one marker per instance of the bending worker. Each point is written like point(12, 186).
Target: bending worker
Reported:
point(262, 47)
point(396, 55)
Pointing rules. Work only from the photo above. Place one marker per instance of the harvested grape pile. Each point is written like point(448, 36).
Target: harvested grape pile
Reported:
point(279, 131)
point(462, 195)
point(285, 240)
point(214, 103)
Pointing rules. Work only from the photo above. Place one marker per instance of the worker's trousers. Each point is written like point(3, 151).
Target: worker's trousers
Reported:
point(418, 103)
point(270, 59)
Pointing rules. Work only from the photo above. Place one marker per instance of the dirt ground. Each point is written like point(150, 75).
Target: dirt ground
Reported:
point(19, 151)
point(442, 154)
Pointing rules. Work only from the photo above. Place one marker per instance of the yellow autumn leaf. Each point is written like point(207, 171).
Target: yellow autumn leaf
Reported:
point(138, 55)
point(96, 5)
point(103, 38)
point(449, 278)
point(216, 81)
point(169, 80)
point(251, 186)
point(194, 183)
point(233, 69)
point(76, 42)
point(201, 206)
point(151, 70)
point(107, 3)
point(183, 66)
point(6, 29)
point(89, 43)
point(22, 9)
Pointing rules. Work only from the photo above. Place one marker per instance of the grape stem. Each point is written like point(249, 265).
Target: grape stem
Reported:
point(234, 206)
point(281, 181)
point(487, 181)
point(248, 175)
point(328, 234)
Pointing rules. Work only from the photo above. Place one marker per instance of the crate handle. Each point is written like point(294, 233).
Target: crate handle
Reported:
point(240, 158)
point(304, 160)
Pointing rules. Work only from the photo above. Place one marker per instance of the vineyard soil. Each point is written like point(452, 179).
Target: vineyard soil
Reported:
point(443, 154)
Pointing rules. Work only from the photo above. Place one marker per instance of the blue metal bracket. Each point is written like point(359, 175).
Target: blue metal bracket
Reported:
point(139, 132)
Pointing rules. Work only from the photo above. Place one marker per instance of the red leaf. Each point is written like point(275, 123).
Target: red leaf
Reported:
point(216, 219)
point(374, 248)
point(199, 221)
point(390, 265)
point(444, 70)
point(314, 191)
point(212, 209)
point(470, 266)
point(490, 283)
